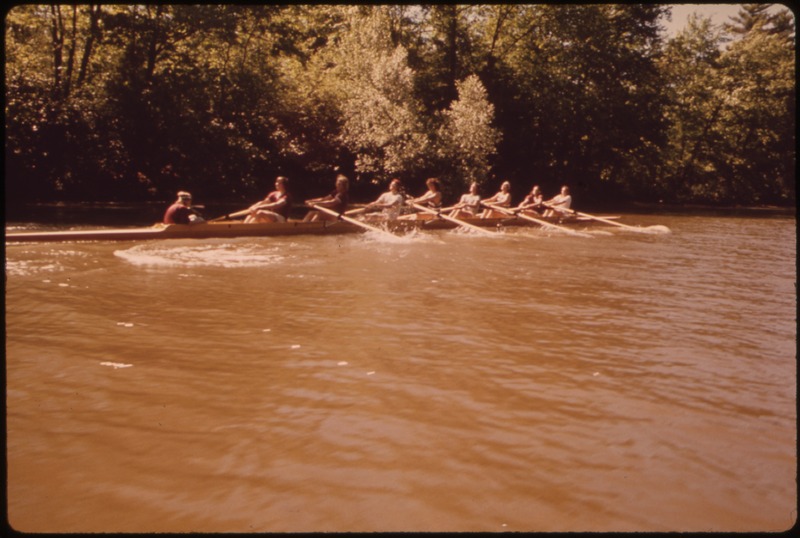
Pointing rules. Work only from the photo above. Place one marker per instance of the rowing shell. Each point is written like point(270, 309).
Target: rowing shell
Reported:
point(230, 229)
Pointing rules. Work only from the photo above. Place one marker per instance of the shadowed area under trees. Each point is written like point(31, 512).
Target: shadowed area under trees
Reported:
point(131, 103)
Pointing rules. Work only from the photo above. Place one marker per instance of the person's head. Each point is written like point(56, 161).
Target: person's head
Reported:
point(185, 198)
point(281, 183)
point(395, 185)
point(536, 190)
point(564, 190)
point(506, 186)
point(433, 184)
point(473, 187)
point(341, 183)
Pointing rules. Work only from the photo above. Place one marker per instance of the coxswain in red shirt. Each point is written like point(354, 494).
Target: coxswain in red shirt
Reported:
point(181, 212)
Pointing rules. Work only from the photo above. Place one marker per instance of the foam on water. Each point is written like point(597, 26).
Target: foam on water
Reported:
point(413, 236)
point(205, 255)
point(51, 261)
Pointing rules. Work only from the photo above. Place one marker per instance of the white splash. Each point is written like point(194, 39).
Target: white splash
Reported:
point(407, 238)
point(201, 255)
point(115, 365)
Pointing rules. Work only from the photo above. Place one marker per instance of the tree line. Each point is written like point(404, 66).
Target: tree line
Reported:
point(134, 102)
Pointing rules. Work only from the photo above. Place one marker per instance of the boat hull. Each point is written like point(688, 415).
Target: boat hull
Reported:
point(232, 229)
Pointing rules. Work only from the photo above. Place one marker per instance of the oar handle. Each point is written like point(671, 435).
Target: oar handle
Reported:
point(540, 222)
point(454, 220)
point(562, 209)
point(355, 211)
point(499, 208)
point(229, 216)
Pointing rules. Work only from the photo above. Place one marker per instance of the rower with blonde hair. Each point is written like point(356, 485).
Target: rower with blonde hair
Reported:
point(559, 203)
point(502, 199)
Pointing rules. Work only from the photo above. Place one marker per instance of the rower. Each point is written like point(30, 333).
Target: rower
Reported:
point(389, 203)
point(431, 199)
point(469, 205)
point(181, 212)
point(275, 207)
point(533, 202)
point(335, 201)
point(501, 199)
point(560, 201)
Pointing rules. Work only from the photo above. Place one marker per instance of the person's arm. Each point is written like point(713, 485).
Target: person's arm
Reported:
point(526, 203)
point(263, 204)
point(329, 201)
point(424, 198)
point(380, 203)
point(276, 204)
point(490, 200)
point(319, 201)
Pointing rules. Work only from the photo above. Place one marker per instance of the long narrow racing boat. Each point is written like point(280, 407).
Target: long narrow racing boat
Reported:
point(233, 228)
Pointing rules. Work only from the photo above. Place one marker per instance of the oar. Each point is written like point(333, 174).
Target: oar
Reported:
point(351, 221)
point(452, 219)
point(653, 229)
point(229, 216)
point(356, 211)
point(537, 221)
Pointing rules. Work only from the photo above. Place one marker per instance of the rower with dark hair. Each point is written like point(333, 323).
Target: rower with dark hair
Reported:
point(336, 201)
point(275, 207)
point(533, 202)
point(431, 199)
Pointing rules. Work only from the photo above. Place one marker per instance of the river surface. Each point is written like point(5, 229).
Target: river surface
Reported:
point(434, 382)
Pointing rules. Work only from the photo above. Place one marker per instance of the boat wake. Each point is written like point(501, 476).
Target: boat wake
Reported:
point(412, 236)
point(207, 255)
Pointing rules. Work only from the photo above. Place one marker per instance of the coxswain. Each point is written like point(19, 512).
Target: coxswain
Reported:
point(182, 212)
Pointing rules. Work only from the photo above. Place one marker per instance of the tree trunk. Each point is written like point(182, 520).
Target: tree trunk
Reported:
point(57, 34)
point(94, 32)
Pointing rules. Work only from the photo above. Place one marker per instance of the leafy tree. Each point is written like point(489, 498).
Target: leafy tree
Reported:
point(691, 63)
point(131, 102)
point(731, 113)
point(468, 138)
point(583, 104)
point(381, 119)
point(757, 159)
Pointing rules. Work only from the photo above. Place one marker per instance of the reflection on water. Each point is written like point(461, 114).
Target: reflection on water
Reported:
point(434, 382)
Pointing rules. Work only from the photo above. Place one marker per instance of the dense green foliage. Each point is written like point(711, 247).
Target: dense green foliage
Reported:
point(133, 102)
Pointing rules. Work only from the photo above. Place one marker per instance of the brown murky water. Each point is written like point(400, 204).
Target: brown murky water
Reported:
point(436, 382)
